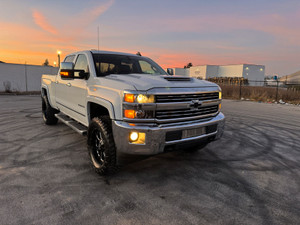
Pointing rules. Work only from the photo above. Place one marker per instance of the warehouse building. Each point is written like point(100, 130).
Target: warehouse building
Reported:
point(23, 77)
point(254, 73)
point(293, 78)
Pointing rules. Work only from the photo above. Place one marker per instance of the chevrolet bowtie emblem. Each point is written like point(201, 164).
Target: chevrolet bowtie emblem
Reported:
point(195, 104)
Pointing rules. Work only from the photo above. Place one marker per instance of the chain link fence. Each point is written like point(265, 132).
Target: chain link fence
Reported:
point(267, 91)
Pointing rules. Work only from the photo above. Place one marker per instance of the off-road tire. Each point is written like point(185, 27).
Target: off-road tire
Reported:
point(101, 146)
point(48, 112)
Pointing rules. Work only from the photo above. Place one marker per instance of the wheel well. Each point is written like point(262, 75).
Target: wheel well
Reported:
point(44, 92)
point(97, 110)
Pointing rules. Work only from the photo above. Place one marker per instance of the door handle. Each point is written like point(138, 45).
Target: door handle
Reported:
point(69, 84)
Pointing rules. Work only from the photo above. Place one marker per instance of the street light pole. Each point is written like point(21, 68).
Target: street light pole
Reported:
point(58, 56)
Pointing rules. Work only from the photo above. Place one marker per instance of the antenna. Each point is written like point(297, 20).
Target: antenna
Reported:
point(98, 72)
point(98, 36)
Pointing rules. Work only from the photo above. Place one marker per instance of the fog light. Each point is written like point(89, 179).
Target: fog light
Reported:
point(137, 138)
point(134, 136)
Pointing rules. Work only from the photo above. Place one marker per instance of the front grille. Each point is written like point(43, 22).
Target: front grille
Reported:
point(187, 97)
point(183, 113)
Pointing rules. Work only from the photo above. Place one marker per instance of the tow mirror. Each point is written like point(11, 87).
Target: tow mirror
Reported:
point(67, 70)
point(170, 71)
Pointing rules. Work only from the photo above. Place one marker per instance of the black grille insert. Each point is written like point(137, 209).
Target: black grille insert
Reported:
point(173, 135)
point(211, 128)
point(187, 97)
point(183, 113)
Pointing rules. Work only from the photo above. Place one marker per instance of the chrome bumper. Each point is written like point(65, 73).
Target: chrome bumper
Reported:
point(156, 136)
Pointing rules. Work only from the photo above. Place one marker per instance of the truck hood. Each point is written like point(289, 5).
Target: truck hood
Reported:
point(146, 82)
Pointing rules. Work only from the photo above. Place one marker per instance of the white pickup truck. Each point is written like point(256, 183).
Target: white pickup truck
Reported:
point(126, 103)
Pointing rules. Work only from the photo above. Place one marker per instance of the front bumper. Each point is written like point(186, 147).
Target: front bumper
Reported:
point(156, 136)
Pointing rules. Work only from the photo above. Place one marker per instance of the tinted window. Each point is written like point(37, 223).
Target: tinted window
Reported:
point(106, 64)
point(81, 64)
point(69, 58)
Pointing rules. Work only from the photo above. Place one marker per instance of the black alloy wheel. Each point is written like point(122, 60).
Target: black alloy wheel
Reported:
point(101, 146)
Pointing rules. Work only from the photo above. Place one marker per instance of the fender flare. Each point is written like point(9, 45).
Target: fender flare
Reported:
point(47, 93)
point(102, 102)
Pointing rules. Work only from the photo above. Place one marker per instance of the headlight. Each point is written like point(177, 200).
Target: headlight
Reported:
point(138, 98)
point(145, 98)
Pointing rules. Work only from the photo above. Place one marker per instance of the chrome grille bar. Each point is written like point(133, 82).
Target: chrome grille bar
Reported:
point(183, 113)
point(187, 97)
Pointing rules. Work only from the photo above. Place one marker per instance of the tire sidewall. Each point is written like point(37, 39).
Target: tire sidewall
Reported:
point(102, 126)
point(48, 112)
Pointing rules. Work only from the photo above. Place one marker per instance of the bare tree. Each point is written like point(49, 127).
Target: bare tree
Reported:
point(188, 65)
point(46, 63)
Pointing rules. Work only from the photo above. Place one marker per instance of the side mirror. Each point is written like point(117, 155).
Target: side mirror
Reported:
point(67, 70)
point(170, 71)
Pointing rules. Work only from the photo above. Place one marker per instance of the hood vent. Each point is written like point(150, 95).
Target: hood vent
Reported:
point(178, 79)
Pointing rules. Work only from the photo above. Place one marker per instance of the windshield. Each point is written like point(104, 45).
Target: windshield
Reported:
point(107, 64)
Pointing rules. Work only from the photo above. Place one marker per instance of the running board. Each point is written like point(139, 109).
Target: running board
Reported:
point(79, 128)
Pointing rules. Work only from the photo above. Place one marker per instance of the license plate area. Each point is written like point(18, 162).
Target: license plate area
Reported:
point(193, 132)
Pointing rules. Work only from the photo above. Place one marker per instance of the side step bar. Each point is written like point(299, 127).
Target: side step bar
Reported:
point(79, 128)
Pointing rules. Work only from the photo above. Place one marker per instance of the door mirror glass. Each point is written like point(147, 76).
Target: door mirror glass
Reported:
point(67, 66)
point(67, 70)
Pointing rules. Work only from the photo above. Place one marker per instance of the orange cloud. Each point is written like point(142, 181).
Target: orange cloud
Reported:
point(89, 15)
point(42, 22)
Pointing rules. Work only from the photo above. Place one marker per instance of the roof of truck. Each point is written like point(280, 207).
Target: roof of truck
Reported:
point(103, 52)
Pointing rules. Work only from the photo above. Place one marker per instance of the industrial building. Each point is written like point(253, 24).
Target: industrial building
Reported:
point(293, 78)
point(254, 73)
point(23, 77)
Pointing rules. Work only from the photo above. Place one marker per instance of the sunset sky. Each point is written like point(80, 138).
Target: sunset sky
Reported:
point(170, 32)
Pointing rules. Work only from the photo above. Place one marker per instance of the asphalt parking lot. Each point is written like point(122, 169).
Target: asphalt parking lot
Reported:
point(250, 176)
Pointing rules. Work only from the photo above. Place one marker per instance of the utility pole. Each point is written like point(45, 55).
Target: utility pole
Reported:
point(277, 90)
point(58, 56)
point(240, 89)
point(26, 76)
